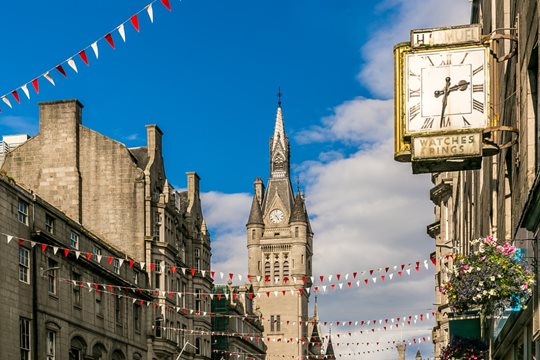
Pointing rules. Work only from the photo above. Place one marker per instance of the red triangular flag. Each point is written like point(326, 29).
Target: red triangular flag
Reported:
point(349, 283)
point(135, 22)
point(66, 252)
point(370, 272)
point(338, 276)
point(193, 271)
point(354, 275)
point(166, 4)
point(61, 70)
point(400, 273)
point(88, 256)
point(304, 279)
point(434, 261)
point(231, 276)
point(219, 296)
point(35, 84)
point(16, 96)
point(43, 247)
point(268, 293)
point(110, 259)
point(366, 281)
point(83, 56)
point(109, 39)
point(382, 277)
point(152, 266)
point(131, 263)
point(173, 269)
point(212, 273)
point(251, 295)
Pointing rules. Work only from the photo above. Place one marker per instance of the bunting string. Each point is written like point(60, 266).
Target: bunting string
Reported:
point(324, 282)
point(70, 62)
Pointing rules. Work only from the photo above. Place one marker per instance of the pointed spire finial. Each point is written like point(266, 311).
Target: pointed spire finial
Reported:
point(279, 93)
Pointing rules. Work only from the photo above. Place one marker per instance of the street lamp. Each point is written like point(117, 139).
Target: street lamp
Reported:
point(184, 347)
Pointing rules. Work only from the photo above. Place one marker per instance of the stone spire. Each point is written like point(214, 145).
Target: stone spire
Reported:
point(330, 348)
point(279, 146)
point(255, 214)
point(299, 212)
point(315, 342)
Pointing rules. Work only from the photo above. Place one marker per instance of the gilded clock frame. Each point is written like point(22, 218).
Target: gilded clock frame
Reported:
point(402, 143)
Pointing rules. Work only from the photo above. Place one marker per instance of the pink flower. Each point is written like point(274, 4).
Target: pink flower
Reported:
point(524, 286)
point(489, 240)
point(508, 249)
point(499, 248)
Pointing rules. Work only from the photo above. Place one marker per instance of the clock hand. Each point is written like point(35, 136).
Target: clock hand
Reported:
point(461, 86)
point(445, 93)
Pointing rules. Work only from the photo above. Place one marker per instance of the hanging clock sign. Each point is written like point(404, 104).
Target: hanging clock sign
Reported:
point(442, 97)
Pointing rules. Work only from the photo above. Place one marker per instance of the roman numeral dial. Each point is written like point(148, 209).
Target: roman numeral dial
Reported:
point(446, 90)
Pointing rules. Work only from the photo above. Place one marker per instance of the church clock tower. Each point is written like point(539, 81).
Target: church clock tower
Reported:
point(280, 248)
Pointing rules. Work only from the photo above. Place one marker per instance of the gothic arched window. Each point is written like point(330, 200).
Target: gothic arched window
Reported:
point(285, 268)
point(267, 269)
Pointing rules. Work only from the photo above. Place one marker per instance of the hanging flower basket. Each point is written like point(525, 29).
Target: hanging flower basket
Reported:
point(465, 349)
point(490, 278)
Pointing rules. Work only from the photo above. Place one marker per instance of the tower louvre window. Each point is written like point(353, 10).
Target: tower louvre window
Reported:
point(276, 269)
point(267, 268)
point(286, 268)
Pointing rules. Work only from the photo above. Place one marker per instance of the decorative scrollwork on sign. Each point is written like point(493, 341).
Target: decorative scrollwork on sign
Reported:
point(491, 38)
point(488, 137)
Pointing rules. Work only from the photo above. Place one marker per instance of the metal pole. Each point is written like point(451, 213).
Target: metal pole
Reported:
point(184, 347)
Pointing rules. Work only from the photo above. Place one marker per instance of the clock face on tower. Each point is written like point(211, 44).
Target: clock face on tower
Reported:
point(446, 90)
point(276, 216)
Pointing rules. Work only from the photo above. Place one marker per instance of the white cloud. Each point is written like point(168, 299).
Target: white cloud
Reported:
point(377, 71)
point(354, 121)
point(226, 215)
point(132, 137)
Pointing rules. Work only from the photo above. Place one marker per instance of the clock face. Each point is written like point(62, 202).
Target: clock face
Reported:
point(446, 90)
point(276, 216)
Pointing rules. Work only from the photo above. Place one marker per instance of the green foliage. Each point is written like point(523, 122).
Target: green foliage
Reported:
point(491, 278)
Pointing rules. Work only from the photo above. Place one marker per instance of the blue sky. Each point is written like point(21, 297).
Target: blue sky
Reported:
point(208, 74)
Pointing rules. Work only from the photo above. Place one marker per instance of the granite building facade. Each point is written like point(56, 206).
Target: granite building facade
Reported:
point(123, 196)
point(503, 197)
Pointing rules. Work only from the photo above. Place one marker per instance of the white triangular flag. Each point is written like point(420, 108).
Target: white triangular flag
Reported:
point(324, 288)
point(184, 271)
point(221, 275)
point(203, 273)
point(77, 254)
point(275, 293)
point(240, 277)
point(6, 100)
point(120, 262)
point(312, 278)
point(55, 249)
point(122, 32)
point(150, 13)
point(142, 265)
point(133, 301)
point(308, 290)
point(89, 285)
point(99, 258)
point(162, 268)
point(347, 276)
point(259, 278)
point(408, 271)
point(25, 90)
point(391, 275)
point(329, 278)
point(32, 243)
point(72, 64)
point(358, 283)
point(95, 48)
point(227, 296)
point(340, 285)
point(426, 264)
point(9, 238)
point(374, 280)
point(49, 78)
